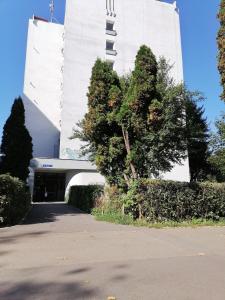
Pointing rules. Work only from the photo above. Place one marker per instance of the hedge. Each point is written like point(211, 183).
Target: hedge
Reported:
point(83, 197)
point(158, 200)
point(15, 200)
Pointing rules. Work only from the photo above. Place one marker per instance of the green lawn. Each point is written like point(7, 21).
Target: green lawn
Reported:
point(128, 220)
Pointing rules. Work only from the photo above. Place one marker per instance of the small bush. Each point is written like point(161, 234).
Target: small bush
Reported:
point(160, 201)
point(14, 200)
point(110, 200)
point(84, 197)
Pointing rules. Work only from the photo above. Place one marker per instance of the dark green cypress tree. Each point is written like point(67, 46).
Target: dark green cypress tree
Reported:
point(221, 46)
point(16, 143)
point(217, 157)
point(197, 137)
point(152, 118)
point(134, 112)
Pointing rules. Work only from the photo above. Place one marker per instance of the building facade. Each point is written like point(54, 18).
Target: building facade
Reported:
point(58, 69)
point(43, 86)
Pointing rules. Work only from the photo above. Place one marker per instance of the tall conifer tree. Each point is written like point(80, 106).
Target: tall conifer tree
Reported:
point(197, 136)
point(152, 118)
point(16, 143)
point(217, 158)
point(134, 112)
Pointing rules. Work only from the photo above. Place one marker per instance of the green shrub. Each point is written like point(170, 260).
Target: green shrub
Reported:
point(14, 200)
point(84, 197)
point(110, 200)
point(210, 200)
point(159, 201)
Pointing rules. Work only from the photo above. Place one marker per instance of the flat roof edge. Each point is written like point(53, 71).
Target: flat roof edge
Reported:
point(61, 164)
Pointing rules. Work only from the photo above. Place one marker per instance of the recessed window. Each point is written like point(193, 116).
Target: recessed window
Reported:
point(110, 28)
point(109, 25)
point(109, 45)
point(110, 48)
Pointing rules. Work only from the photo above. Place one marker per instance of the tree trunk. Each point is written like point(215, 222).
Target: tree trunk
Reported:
point(140, 216)
point(123, 210)
point(128, 149)
point(126, 179)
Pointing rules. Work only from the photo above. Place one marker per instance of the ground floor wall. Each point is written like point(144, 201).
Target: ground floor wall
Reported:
point(54, 186)
point(82, 178)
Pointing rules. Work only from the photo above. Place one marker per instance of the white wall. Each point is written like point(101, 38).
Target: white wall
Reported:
point(84, 42)
point(43, 86)
point(149, 22)
point(82, 178)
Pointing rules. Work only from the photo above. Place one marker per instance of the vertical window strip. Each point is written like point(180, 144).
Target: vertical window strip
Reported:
point(110, 6)
point(107, 11)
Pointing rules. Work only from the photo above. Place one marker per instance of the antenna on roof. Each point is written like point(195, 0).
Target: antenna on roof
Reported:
point(52, 9)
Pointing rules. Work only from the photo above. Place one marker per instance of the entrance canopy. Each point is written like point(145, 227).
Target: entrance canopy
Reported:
point(61, 165)
point(51, 179)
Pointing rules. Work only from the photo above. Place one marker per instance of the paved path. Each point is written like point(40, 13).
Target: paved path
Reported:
point(60, 254)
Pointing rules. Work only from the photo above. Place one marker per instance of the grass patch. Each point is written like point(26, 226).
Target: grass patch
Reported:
point(117, 218)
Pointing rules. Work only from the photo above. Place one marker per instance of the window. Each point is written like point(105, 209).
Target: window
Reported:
point(110, 48)
point(110, 28)
point(109, 25)
point(109, 45)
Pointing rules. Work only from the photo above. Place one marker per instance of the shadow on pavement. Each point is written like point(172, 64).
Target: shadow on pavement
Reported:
point(4, 253)
point(50, 290)
point(48, 212)
point(13, 238)
point(78, 271)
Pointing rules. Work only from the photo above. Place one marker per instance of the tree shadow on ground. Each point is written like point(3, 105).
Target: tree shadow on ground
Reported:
point(78, 271)
point(4, 253)
point(57, 291)
point(114, 275)
point(70, 285)
point(48, 212)
point(14, 237)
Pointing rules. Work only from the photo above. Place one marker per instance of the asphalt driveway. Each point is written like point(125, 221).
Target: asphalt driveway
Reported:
point(61, 254)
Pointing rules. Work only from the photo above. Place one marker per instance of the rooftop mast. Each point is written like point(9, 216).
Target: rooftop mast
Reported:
point(52, 8)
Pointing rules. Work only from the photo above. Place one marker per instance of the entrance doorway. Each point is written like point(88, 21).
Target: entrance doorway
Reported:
point(49, 187)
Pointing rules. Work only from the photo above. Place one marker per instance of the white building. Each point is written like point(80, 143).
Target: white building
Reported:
point(58, 69)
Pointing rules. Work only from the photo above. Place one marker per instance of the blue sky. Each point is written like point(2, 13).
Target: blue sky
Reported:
point(199, 27)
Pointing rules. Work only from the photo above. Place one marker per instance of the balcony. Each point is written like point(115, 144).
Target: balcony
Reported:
point(111, 32)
